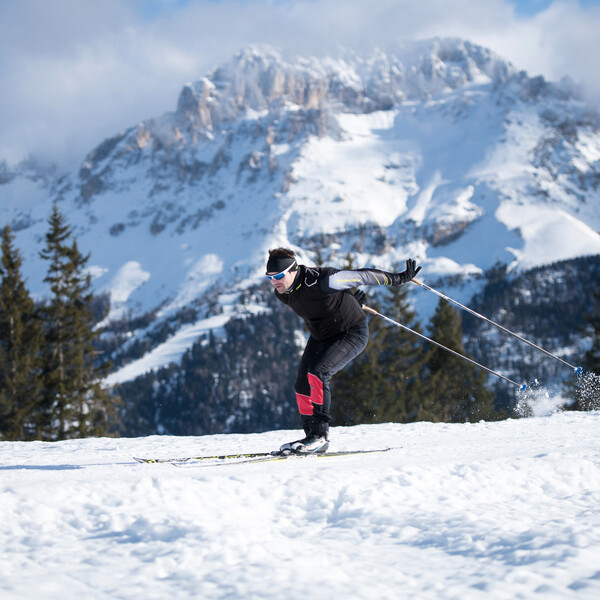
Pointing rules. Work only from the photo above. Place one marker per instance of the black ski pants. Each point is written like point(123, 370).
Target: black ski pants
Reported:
point(319, 362)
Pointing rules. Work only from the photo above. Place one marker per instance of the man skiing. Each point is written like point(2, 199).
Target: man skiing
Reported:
point(338, 331)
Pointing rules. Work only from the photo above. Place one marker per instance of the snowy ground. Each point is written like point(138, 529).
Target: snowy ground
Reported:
point(489, 510)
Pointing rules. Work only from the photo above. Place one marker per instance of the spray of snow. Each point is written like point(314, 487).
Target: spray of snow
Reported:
point(588, 391)
point(539, 400)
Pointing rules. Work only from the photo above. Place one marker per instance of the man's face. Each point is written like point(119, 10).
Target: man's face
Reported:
point(281, 285)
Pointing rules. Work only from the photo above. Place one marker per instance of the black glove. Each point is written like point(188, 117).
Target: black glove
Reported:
point(360, 296)
point(410, 273)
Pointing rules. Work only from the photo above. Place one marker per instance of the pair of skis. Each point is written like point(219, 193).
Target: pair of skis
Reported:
point(250, 457)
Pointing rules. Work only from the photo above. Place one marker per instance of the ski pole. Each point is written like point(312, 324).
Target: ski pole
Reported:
point(522, 387)
point(576, 369)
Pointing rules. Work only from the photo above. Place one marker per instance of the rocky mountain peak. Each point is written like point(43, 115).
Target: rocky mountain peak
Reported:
point(254, 79)
point(418, 150)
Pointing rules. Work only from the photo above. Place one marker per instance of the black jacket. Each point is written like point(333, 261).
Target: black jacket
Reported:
point(318, 297)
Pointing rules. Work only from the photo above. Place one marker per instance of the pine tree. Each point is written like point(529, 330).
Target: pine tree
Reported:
point(75, 404)
point(592, 357)
point(20, 339)
point(356, 388)
point(454, 390)
point(402, 358)
point(382, 383)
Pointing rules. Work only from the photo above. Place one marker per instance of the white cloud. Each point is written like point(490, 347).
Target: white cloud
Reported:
point(73, 72)
point(560, 41)
point(74, 75)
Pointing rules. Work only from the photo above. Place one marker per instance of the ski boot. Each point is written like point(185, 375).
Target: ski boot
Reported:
point(313, 443)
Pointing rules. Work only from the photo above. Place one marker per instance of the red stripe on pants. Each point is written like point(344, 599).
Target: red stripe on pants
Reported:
point(305, 406)
point(316, 389)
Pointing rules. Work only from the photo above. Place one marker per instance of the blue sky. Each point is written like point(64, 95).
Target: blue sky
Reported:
point(153, 9)
point(73, 72)
point(528, 8)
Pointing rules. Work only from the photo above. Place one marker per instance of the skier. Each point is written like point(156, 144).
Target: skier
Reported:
point(338, 331)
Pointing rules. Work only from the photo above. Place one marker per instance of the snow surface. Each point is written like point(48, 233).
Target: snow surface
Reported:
point(499, 510)
point(169, 351)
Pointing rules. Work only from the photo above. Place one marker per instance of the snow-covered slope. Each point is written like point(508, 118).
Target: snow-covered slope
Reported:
point(488, 510)
point(441, 151)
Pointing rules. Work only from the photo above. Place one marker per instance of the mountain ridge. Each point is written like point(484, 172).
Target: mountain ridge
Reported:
point(440, 150)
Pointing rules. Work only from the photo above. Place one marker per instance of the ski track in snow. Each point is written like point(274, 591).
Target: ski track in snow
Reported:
point(486, 510)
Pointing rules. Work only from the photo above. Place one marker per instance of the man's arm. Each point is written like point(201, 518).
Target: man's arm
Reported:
point(344, 280)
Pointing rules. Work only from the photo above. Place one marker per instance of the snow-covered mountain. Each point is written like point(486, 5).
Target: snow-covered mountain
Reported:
point(440, 150)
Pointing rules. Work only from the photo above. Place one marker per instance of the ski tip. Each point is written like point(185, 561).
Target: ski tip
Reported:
point(523, 387)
